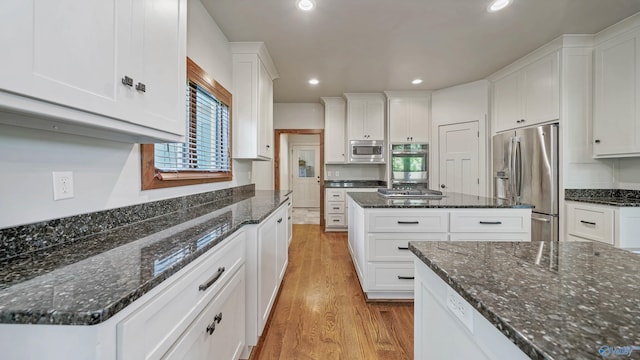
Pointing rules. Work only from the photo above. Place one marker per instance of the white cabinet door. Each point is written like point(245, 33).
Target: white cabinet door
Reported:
point(160, 63)
point(335, 111)
point(218, 333)
point(540, 91)
point(73, 56)
point(365, 116)
point(616, 118)
point(267, 269)
point(507, 107)
point(282, 242)
point(408, 118)
point(265, 119)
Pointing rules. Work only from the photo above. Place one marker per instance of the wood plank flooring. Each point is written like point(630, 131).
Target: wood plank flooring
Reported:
point(321, 313)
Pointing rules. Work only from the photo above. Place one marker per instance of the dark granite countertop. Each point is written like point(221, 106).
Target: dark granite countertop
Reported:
point(86, 282)
point(451, 200)
point(553, 300)
point(354, 183)
point(612, 197)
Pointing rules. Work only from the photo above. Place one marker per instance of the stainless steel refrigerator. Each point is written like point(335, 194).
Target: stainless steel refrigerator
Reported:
point(525, 169)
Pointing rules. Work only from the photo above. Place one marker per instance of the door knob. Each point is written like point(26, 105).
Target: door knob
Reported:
point(442, 186)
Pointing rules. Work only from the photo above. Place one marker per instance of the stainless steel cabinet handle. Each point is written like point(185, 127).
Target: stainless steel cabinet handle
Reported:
point(490, 222)
point(403, 248)
point(588, 222)
point(540, 219)
point(127, 81)
point(406, 277)
point(141, 87)
point(212, 280)
point(408, 222)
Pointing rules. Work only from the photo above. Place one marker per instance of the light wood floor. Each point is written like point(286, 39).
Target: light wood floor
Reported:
point(321, 312)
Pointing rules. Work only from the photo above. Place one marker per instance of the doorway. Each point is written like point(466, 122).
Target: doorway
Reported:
point(299, 166)
point(459, 149)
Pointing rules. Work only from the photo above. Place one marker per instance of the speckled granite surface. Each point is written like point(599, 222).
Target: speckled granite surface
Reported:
point(354, 183)
point(452, 200)
point(553, 300)
point(87, 281)
point(613, 197)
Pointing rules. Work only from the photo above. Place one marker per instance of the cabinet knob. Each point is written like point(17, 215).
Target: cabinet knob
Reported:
point(442, 186)
point(268, 146)
point(141, 87)
point(597, 141)
point(127, 81)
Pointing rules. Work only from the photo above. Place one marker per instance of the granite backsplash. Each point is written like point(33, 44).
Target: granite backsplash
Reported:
point(24, 239)
point(603, 193)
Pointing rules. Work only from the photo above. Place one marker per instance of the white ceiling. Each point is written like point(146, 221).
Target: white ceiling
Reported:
point(377, 45)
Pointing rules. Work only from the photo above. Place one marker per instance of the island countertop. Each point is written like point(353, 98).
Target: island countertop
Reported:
point(451, 200)
point(86, 282)
point(566, 300)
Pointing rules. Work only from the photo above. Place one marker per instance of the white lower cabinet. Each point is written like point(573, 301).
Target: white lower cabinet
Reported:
point(617, 226)
point(335, 213)
point(267, 259)
point(446, 326)
point(379, 240)
point(218, 333)
point(150, 331)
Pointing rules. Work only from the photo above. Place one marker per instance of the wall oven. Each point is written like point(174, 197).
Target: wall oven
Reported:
point(409, 166)
point(366, 151)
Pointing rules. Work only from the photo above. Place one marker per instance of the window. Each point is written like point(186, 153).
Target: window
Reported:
point(205, 156)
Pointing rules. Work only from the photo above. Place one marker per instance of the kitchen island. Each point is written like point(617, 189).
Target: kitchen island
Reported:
point(380, 229)
point(538, 300)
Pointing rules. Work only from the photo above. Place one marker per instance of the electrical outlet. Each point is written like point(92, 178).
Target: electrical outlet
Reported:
point(460, 308)
point(337, 173)
point(62, 185)
point(330, 173)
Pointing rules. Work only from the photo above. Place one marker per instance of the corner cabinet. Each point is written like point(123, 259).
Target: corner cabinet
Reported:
point(527, 96)
point(365, 116)
point(334, 130)
point(115, 70)
point(253, 75)
point(408, 119)
point(616, 118)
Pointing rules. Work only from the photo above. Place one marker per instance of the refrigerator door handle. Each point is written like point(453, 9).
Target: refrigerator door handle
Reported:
point(513, 180)
point(518, 156)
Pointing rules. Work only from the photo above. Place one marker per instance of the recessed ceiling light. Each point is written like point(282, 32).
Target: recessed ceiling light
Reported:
point(306, 5)
point(416, 81)
point(314, 82)
point(498, 5)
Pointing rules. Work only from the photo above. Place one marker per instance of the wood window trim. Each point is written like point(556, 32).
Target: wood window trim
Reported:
point(152, 178)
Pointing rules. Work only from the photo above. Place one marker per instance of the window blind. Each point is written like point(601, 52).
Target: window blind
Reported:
point(207, 146)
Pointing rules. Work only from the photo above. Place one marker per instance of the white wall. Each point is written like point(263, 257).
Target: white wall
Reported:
point(457, 104)
point(106, 173)
point(298, 116)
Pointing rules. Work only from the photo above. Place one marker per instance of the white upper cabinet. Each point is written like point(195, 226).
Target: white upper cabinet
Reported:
point(253, 75)
point(365, 116)
point(109, 68)
point(616, 120)
point(527, 96)
point(334, 128)
point(408, 116)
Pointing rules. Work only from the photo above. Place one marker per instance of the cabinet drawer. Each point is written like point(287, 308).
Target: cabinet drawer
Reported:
point(395, 247)
point(396, 276)
point(218, 332)
point(336, 220)
point(503, 236)
point(590, 222)
point(490, 221)
point(409, 221)
point(149, 332)
point(335, 207)
point(335, 194)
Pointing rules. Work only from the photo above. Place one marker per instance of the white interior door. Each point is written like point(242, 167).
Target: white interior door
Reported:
point(305, 171)
point(459, 149)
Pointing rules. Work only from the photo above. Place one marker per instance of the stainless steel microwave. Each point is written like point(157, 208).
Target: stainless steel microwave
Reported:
point(366, 151)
